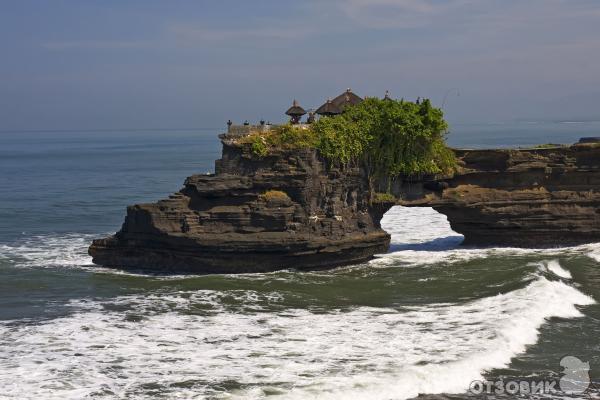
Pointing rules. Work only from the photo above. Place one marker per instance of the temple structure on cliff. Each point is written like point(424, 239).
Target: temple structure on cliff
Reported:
point(295, 112)
point(339, 103)
point(331, 107)
point(348, 98)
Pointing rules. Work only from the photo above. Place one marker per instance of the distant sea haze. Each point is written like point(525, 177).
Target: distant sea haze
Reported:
point(461, 134)
point(520, 133)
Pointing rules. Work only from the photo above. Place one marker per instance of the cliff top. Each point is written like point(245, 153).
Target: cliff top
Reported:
point(387, 137)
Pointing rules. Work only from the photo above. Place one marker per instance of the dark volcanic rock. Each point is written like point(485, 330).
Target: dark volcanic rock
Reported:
point(590, 140)
point(523, 198)
point(228, 223)
point(224, 223)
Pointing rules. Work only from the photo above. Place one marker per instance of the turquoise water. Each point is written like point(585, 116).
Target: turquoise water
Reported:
point(428, 317)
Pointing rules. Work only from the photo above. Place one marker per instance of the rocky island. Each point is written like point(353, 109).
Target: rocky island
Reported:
point(281, 198)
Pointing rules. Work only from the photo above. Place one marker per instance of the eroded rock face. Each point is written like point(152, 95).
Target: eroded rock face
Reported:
point(523, 198)
point(224, 223)
point(228, 222)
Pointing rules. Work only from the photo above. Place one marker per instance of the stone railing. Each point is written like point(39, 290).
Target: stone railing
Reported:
point(242, 130)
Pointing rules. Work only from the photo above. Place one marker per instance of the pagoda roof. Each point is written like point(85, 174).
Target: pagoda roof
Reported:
point(348, 98)
point(295, 110)
point(329, 108)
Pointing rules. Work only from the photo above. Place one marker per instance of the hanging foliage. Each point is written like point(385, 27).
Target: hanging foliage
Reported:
point(390, 137)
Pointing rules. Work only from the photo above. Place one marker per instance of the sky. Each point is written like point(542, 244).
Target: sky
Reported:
point(145, 64)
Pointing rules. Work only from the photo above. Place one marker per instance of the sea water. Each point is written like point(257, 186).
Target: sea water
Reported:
point(430, 316)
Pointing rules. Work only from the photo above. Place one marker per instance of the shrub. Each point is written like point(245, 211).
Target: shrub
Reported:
point(390, 137)
point(287, 137)
point(259, 145)
point(340, 140)
point(273, 195)
point(383, 198)
point(293, 137)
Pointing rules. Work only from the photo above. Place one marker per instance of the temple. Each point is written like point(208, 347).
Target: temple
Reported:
point(295, 112)
point(330, 108)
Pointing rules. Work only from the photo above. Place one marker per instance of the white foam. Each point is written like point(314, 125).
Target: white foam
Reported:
point(190, 344)
point(359, 353)
point(555, 267)
point(66, 250)
point(418, 225)
point(422, 236)
point(62, 251)
point(595, 254)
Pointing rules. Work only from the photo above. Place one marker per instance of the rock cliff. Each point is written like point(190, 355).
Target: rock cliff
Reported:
point(524, 198)
point(293, 210)
point(230, 222)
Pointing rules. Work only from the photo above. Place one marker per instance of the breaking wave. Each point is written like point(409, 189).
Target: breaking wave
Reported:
point(194, 343)
point(554, 267)
point(66, 250)
point(247, 344)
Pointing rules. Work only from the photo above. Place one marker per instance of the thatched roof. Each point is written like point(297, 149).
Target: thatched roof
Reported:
point(329, 108)
point(295, 110)
point(348, 98)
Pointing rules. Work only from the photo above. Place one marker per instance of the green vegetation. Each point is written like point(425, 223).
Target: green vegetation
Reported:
point(291, 137)
point(273, 195)
point(281, 137)
point(383, 198)
point(259, 145)
point(388, 137)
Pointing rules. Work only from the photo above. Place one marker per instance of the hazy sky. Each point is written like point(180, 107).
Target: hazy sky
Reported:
point(110, 64)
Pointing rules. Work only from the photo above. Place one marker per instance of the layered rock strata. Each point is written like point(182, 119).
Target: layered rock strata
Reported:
point(524, 198)
point(293, 210)
point(287, 210)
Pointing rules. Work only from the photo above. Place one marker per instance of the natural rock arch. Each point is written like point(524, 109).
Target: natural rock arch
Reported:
point(227, 223)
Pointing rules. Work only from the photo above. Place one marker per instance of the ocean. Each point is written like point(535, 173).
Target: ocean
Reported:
point(430, 316)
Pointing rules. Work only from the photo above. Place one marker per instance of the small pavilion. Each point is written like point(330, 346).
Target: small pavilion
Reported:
point(295, 112)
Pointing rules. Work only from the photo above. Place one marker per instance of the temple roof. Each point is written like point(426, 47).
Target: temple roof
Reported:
point(329, 108)
point(348, 98)
point(295, 110)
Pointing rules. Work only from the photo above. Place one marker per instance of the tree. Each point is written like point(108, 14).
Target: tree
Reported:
point(390, 138)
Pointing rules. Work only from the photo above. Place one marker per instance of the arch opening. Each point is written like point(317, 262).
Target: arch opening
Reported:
point(419, 228)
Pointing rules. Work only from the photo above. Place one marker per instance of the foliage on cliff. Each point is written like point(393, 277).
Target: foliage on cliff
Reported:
point(391, 137)
point(287, 137)
point(381, 198)
point(275, 195)
point(388, 137)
